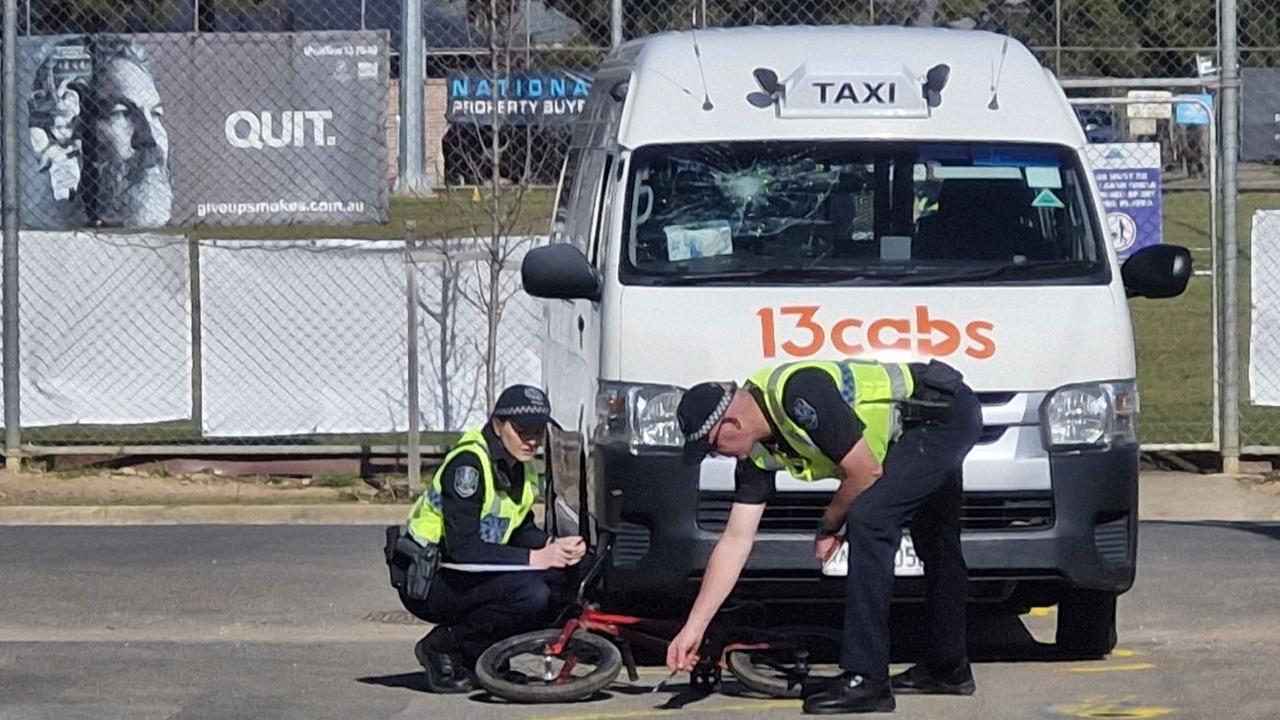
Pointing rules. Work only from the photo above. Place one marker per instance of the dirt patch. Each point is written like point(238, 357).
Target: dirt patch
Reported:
point(128, 487)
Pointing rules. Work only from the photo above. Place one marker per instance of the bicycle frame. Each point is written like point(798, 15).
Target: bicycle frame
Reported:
point(625, 630)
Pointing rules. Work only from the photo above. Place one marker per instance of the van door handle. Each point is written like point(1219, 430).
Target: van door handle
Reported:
point(582, 329)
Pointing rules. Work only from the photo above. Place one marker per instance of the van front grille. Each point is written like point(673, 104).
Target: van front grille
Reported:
point(802, 511)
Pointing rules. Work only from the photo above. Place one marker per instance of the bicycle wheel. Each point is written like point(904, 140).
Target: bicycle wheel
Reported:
point(518, 669)
point(781, 670)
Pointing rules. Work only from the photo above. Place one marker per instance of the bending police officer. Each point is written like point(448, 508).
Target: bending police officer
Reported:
point(896, 435)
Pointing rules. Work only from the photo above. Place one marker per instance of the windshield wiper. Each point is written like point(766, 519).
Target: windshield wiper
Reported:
point(892, 275)
point(1035, 268)
point(782, 274)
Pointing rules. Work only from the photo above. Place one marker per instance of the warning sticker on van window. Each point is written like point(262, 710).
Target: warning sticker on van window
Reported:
point(1044, 177)
point(709, 239)
point(1046, 199)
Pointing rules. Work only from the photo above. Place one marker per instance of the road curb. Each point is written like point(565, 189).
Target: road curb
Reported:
point(203, 514)
point(1184, 497)
point(1173, 497)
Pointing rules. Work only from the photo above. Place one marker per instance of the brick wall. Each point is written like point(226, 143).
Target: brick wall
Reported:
point(436, 97)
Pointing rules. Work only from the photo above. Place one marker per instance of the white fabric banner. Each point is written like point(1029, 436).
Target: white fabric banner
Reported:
point(105, 329)
point(303, 337)
point(1264, 330)
point(299, 338)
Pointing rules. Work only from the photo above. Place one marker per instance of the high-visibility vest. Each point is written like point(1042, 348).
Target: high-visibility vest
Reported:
point(872, 390)
point(500, 515)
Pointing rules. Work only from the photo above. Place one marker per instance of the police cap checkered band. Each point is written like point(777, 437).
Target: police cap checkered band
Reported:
point(523, 404)
point(701, 408)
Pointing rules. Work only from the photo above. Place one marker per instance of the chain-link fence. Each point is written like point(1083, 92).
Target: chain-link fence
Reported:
point(1259, 240)
point(212, 256)
point(1157, 176)
point(296, 342)
point(256, 141)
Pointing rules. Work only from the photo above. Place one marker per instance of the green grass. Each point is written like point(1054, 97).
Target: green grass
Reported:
point(453, 213)
point(1174, 337)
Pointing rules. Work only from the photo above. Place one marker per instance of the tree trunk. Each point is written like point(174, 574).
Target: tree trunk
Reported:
point(495, 237)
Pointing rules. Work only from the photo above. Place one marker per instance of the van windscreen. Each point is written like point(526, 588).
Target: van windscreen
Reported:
point(845, 212)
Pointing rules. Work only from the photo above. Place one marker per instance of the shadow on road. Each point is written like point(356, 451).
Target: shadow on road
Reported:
point(409, 680)
point(1266, 529)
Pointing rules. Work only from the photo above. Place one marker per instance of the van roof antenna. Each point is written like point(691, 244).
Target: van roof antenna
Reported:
point(995, 77)
point(706, 95)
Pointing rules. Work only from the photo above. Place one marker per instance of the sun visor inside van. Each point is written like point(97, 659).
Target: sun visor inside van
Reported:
point(824, 90)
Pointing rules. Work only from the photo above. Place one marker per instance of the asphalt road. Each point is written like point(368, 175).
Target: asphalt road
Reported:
point(297, 622)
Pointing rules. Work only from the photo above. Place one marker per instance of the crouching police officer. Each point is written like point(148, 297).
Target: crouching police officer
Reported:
point(896, 435)
point(499, 574)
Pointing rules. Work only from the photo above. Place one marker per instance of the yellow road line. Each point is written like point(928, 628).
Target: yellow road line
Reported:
point(1043, 611)
point(1119, 667)
point(1122, 653)
point(1112, 710)
point(658, 712)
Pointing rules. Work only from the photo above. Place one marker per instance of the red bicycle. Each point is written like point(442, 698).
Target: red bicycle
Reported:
point(582, 657)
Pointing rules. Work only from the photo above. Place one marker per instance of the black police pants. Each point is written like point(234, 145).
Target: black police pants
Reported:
point(484, 607)
point(920, 488)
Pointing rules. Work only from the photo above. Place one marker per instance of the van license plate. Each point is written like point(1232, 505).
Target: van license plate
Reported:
point(905, 561)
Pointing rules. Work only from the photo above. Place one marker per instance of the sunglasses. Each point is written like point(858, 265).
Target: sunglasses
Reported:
point(530, 434)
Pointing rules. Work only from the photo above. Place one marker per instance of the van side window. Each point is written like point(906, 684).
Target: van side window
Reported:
point(600, 230)
point(586, 194)
point(561, 231)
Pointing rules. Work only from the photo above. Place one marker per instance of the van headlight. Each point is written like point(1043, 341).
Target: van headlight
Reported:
point(639, 415)
point(1091, 415)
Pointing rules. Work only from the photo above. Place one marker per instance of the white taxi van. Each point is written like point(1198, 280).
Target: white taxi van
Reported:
point(740, 197)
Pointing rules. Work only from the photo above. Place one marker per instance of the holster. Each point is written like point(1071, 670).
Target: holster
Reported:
point(412, 567)
point(936, 376)
point(936, 385)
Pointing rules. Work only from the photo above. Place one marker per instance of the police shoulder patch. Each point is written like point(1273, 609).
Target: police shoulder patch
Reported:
point(804, 414)
point(466, 480)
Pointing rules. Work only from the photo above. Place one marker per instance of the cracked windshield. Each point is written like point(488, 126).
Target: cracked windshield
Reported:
point(927, 213)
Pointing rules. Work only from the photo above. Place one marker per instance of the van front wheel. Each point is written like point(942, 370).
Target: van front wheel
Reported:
point(1087, 623)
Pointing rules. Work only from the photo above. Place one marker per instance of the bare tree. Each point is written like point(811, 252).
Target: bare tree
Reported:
point(457, 398)
point(505, 161)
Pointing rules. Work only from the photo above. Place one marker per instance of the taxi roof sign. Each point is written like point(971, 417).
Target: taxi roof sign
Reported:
point(828, 90)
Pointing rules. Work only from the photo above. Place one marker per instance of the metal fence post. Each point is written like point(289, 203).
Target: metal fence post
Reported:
point(197, 330)
point(1230, 237)
point(411, 386)
point(1057, 37)
point(412, 176)
point(12, 357)
point(615, 23)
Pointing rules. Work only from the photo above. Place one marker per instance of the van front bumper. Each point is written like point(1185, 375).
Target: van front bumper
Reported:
point(665, 528)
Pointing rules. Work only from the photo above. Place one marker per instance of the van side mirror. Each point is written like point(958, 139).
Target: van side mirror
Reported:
point(1157, 271)
point(559, 272)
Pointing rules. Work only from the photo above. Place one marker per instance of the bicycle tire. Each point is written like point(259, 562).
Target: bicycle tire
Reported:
point(749, 666)
point(607, 667)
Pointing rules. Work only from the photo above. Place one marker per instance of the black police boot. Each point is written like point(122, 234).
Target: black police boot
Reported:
point(851, 693)
point(923, 680)
point(442, 663)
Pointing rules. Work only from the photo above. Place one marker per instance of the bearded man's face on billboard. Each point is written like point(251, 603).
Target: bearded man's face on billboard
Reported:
point(130, 160)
